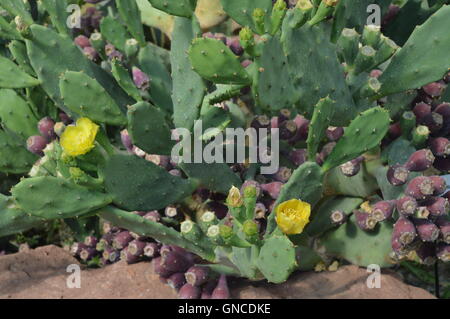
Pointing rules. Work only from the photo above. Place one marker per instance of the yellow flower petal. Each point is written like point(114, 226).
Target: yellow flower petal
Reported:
point(292, 216)
point(79, 140)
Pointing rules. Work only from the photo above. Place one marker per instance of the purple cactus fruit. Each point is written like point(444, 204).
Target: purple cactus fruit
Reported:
point(338, 217)
point(176, 262)
point(176, 281)
point(364, 220)
point(420, 187)
point(302, 128)
point(253, 183)
point(422, 212)
point(440, 146)
point(235, 46)
point(399, 248)
point(160, 160)
point(288, 130)
point(126, 140)
point(274, 122)
point(260, 122)
point(82, 41)
point(129, 258)
point(151, 250)
point(122, 239)
point(395, 130)
point(444, 226)
point(87, 253)
point(189, 292)
point(272, 189)
point(284, 115)
point(434, 121)
point(141, 80)
point(260, 210)
point(326, 150)
point(426, 229)
point(105, 241)
point(298, 156)
point(397, 175)
point(76, 248)
point(406, 205)
point(246, 63)
point(390, 15)
point(420, 161)
point(444, 110)
point(153, 215)
point(421, 110)
point(136, 247)
point(208, 288)
point(352, 168)
point(138, 152)
point(90, 53)
point(375, 73)
point(443, 252)
point(110, 254)
point(442, 164)
point(334, 133)
point(439, 184)
point(91, 241)
point(434, 89)
point(438, 206)
point(36, 144)
point(46, 128)
point(426, 253)
point(282, 175)
point(404, 231)
point(197, 276)
point(383, 210)
point(221, 291)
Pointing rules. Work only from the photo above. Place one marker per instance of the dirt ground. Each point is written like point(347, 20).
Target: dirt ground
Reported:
point(42, 273)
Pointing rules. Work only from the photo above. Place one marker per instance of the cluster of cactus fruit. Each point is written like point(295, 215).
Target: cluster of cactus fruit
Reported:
point(88, 115)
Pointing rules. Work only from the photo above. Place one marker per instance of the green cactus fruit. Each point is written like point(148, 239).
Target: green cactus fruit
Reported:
point(148, 129)
point(214, 61)
point(12, 77)
point(235, 9)
point(124, 79)
point(14, 157)
point(326, 8)
point(153, 63)
point(365, 59)
point(129, 179)
point(13, 220)
point(217, 177)
point(358, 246)
point(188, 87)
point(277, 259)
point(114, 32)
point(7, 31)
point(67, 199)
point(84, 96)
point(305, 184)
point(371, 36)
point(191, 231)
point(323, 114)
point(259, 17)
point(145, 227)
point(316, 71)
point(321, 220)
point(17, 8)
point(182, 8)
point(130, 14)
point(19, 52)
point(364, 133)
point(275, 92)
point(57, 10)
point(278, 14)
point(385, 51)
point(301, 13)
point(348, 43)
point(415, 65)
point(17, 115)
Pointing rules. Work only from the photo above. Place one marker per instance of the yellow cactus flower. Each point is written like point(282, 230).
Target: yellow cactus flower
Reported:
point(79, 140)
point(292, 216)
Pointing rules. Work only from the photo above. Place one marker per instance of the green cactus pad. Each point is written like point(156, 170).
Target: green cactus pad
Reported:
point(145, 227)
point(242, 10)
point(84, 96)
point(305, 184)
point(122, 77)
point(19, 52)
point(322, 117)
point(129, 12)
point(14, 157)
point(364, 133)
point(148, 129)
point(17, 115)
point(14, 220)
point(188, 86)
point(137, 184)
point(66, 199)
point(360, 247)
point(275, 92)
point(17, 8)
point(182, 8)
point(114, 32)
point(57, 10)
point(415, 65)
point(277, 259)
point(12, 77)
point(316, 71)
point(214, 61)
point(245, 260)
